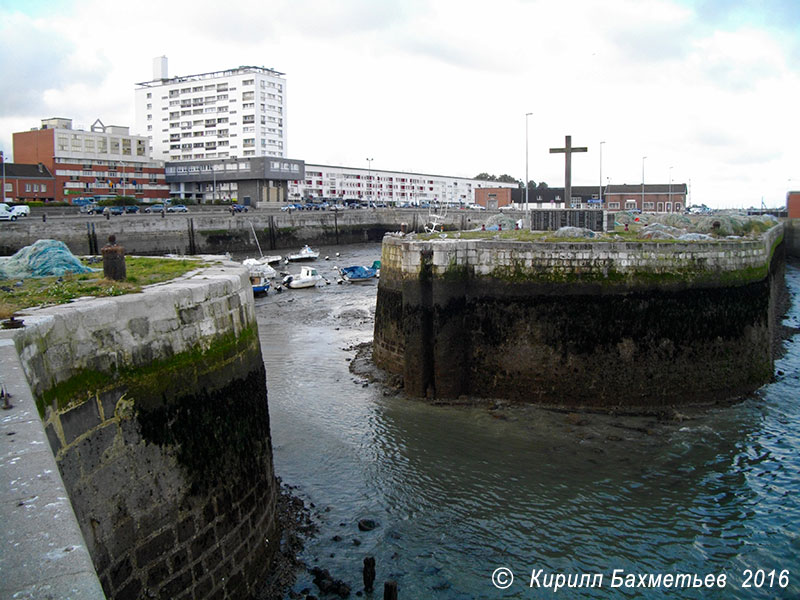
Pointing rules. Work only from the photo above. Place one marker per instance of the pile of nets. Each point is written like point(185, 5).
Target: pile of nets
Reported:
point(43, 258)
point(574, 232)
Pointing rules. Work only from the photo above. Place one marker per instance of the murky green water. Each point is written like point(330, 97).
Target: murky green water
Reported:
point(460, 491)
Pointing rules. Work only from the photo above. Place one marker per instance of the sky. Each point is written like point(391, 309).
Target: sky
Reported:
point(707, 90)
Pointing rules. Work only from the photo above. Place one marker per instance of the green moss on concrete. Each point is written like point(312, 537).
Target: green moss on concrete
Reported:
point(154, 379)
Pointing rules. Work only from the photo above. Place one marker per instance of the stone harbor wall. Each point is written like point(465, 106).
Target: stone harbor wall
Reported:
point(595, 324)
point(155, 407)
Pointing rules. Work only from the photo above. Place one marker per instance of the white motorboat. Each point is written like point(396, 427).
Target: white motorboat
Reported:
point(308, 277)
point(306, 253)
point(260, 274)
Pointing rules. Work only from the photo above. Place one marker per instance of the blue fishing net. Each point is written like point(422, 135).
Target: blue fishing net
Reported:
point(43, 258)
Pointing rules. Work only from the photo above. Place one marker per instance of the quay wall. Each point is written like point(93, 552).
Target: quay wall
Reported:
point(597, 324)
point(155, 408)
point(200, 232)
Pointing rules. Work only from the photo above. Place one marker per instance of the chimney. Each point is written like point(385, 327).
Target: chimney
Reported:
point(160, 68)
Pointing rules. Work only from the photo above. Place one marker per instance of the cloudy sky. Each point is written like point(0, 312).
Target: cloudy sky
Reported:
point(707, 90)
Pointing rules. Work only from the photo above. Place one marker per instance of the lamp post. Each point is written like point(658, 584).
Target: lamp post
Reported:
point(121, 164)
point(369, 178)
point(526, 160)
point(601, 175)
point(214, 183)
point(669, 192)
point(3, 159)
point(643, 159)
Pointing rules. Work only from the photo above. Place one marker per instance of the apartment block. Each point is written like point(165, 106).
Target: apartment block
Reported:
point(104, 161)
point(235, 113)
point(390, 187)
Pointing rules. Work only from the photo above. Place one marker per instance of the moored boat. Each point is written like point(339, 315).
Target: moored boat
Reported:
point(358, 273)
point(260, 274)
point(306, 253)
point(308, 277)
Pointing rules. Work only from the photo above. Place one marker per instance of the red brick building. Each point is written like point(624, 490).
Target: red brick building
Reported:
point(27, 183)
point(659, 198)
point(493, 197)
point(103, 162)
point(793, 204)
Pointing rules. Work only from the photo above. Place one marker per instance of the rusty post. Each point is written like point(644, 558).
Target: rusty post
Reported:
point(114, 260)
point(390, 590)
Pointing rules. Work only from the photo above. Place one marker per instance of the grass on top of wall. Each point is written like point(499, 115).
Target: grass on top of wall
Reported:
point(19, 294)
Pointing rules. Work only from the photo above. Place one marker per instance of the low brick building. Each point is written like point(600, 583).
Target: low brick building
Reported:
point(493, 197)
point(27, 183)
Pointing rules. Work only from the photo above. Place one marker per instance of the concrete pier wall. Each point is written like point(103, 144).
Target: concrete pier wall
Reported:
point(201, 232)
point(155, 408)
point(596, 324)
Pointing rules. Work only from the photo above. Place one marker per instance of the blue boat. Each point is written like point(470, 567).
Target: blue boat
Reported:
point(359, 273)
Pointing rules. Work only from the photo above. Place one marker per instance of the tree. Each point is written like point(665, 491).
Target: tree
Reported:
point(542, 185)
point(485, 177)
point(505, 178)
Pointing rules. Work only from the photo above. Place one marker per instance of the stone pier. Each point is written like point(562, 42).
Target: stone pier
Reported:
point(597, 324)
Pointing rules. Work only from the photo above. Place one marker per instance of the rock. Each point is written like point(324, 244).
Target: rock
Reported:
point(367, 524)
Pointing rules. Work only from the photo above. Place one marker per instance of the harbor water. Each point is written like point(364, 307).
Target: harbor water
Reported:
point(459, 492)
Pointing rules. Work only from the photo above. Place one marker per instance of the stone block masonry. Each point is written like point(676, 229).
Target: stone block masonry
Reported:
point(155, 408)
point(618, 325)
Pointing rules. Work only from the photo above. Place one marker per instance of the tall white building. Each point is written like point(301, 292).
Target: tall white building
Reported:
point(389, 187)
point(235, 113)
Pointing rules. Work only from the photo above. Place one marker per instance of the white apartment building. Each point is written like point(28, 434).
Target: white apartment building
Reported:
point(389, 187)
point(235, 113)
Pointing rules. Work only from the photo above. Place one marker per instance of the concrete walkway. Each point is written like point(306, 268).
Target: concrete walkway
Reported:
point(42, 551)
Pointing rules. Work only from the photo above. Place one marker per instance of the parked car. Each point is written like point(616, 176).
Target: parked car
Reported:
point(92, 209)
point(21, 210)
point(292, 206)
point(155, 208)
point(477, 207)
point(132, 209)
point(6, 214)
point(239, 208)
point(177, 208)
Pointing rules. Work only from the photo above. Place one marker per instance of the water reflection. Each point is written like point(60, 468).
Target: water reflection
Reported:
point(459, 491)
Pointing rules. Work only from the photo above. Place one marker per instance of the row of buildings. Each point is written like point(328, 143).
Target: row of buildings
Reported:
point(221, 137)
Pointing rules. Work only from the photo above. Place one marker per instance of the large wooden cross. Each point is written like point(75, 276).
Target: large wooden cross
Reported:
point(567, 150)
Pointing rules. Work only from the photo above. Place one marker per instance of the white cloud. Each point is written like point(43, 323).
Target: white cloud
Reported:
point(443, 86)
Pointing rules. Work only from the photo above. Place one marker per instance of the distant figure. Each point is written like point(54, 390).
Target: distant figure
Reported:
point(483, 227)
point(626, 227)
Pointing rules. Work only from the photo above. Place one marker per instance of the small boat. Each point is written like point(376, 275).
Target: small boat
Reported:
point(308, 277)
point(358, 273)
point(260, 274)
point(305, 253)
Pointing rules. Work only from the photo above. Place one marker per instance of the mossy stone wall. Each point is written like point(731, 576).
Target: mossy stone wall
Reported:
point(571, 325)
point(155, 406)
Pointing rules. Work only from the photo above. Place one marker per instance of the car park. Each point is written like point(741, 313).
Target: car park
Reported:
point(177, 208)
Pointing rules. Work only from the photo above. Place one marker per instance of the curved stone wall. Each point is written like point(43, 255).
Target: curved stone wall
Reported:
point(595, 324)
point(155, 406)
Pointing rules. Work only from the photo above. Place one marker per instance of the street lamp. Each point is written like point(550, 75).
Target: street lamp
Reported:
point(669, 193)
point(3, 159)
point(121, 164)
point(643, 159)
point(369, 178)
point(601, 175)
point(526, 160)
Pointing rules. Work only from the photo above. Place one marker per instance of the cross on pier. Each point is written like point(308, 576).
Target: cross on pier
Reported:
point(567, 150)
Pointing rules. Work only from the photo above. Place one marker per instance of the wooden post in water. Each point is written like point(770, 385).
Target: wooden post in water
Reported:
point(369, 573)
point(390, 590)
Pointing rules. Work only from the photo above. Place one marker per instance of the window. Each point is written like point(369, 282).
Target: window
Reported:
point(27, 187)
point(613, 205)
point(44, 188)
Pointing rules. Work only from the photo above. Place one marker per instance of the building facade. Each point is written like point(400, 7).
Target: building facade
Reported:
point(395, 188)
point(248, 181)
point(102, 162)
point(793, 205)
point(27, 183)
point(659, 198)
point(237, 113)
